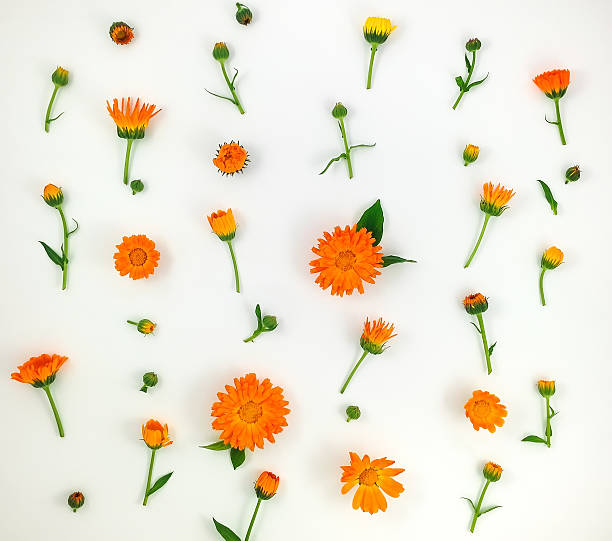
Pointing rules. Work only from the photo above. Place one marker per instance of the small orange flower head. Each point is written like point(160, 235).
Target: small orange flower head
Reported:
point(223, 224)
point(121, 33)
point(470, 154)
point(53, 195)
point(145, 326)
point(485, 411)
point(492, 472)
point(131, 121)
point(372, 478)
point(231, 158)
point(136, 257)
point(39, 371)
point(60, 76)
point(220, 52)
point(494, 199)
point(476, 303)
point(155, 435)
point(553, 83)
point(552, 258)
point(266, 485)
point(76, 500)
point(546, 388)
point(375, 335)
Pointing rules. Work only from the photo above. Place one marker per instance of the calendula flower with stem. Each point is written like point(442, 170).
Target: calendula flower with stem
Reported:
point(155, 435)
point(376, 30)
point(264, 324)
point(491, 473)
point(224, 226)
point(59, 78)
point(471, 46)
point(339, 112)
point(373, 340)
point(54, 197)
point(554, 84)
point(40, 372)
point(492, 203)
point(221, 54)
point(547, 390)
point(144, 326)
point(476, 304)
point(551, 259)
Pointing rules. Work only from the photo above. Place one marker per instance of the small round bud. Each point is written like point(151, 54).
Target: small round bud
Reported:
point(552, 258)
point(150, 380)
point(53, 195)
point(146, 326)
point(269, 323)
point(473, 45)
point(60, 77)
point(470, 154)
point(339, 111)
point(546, 388)
point(220, 52)
point(137, 186)
point(476, 303)
point(76, 500)
point(492, 472)
point(266, 485)
point(243, 15)
point(352, 413)
point(572, 174)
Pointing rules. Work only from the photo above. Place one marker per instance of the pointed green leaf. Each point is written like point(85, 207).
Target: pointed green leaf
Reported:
point(548, 431)
point(553, 412)
point(467, 63)
point(237, 456)
point(159, 483)
point(393, 259)
point(460, 83)
point(549, 196)
point(258, 315)
point(477, 83)
point(217, 446)
point(491, 349)
point(53, 255)
point(225, 532)
point(476, 327)
point(471, 502)
point(339, 157)
point(534, 439)
point(372, 219)
point(489, 509)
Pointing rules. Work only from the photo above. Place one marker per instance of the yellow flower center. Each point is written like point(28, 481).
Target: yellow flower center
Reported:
point(250, 412)
point(138, 257)
point(368, 477)
point(345, 260)
point(482, 409)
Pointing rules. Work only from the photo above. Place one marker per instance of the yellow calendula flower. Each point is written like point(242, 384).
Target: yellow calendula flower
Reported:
point(376, 30)
point(224, 226)
point(546, 388)
point(470, 154)
point(492, 472)
point(551, 259)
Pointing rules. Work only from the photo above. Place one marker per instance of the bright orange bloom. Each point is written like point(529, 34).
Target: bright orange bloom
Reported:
point(266, 485)
point(223, 224)
point(375, 335)
point(485, 411)
point(231, 158)
point(53, 195)
point(494, 199)
point(492, 472)
point(476, 303)
point(552, 258)
point(347, 258)
point(131, 121)
point(39, 371)
point(121, 33)
point(546, 388)
point(372, 477)
point(137, 257)
point(249, 412)
point(155, 435)
point(553, 83)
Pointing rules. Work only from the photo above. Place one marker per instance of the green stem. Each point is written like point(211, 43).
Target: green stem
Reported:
point(559, 124)
point(347, 150)
point(248, 534)
point(64, 248)
point(374, 47)
point(126, 166)
point(542, 299)
point(479, 505)
point(232, 89)
point(548, 430)
point(60, 428)
point(484, 226)
point(467, 81)
point(253, 336)
point(132, 322)
point(48, 115)
point(350, 377)
point(231, 249)
point(485, 345)
point(146, 496)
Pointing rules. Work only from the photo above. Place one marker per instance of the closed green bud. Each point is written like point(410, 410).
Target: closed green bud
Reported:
point(269, 323)
point(352, 412)
point(60, 77)
point(243, 15)
point(572, 174)
point(473, 45)
point(149, 380)
point(137, 186)
point(220, 52)
point(339, 111)
point(76, 500)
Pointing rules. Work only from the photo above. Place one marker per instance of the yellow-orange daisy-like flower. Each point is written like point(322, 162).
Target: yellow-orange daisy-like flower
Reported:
point(373, 477)
point(39, 371)
point(53, 195)
point(552, 258)
point(231, 158)
point(136, 256)
point(121, 33)
point(476, 303)
point(131, 121)
point(484, 411)
point(266, 485)
point(492, 472)
point(223, 224)
point(155, 435)
point(375, 335)
point(494, 199)
point(553, 83)
point(347, 258)
point(248, 412)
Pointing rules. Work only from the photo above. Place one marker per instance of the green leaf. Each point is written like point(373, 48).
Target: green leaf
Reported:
point(460, 83)
point(476, 327)
point(534, 439)
point(467, 63)
point(159, 483)
point(217, 446)
point(549, 196)
point(491, 349)
point(225, 532)
point(339, 157)
point(477, 83)
point(53, 255)
point(237, 456)
point(258, 315)
point(553, 412)
point(548, 431)
point(393, 259)
point(489, 509)
point(372, 219)
point(471, 502)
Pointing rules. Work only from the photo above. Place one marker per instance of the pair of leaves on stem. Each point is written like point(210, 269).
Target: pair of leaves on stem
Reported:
point(237, 456)
point(231, 87)
point(159, 483)
point(549, 196)
point(60, 260)
point(480, 513)
point(225, 532)
point(480, 332)
point(343, 156)
point(463, 86)
point(547, 432)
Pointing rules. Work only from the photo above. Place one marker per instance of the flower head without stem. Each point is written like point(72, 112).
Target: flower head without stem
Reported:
point(121, 33)
point(243, 14)
point(546, 388)
point(552, 258)
point(572, 174)
point(76, 500)
point(266, 485)
point(149, 379)
point(470, 154)
point(476, 303)
point(352, 413)
point(375, 336)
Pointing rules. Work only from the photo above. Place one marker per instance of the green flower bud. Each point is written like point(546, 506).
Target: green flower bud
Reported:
point(269, 323)
point(76, 500)
point(339, 111)
point(60, 77)
point(137, 186)
point(149, 380)
point(220, 52)
point(572, 174)
point(243, 15)
point(352, 412)
point(473, 45)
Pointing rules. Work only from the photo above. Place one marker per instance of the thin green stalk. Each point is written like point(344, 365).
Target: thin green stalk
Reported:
point(542, 299)
point(126, 166)
point(484, 226)
point(64, 248)
point(548, 429)
point(248, 534)
point(559, 124)
point(479, 505)
point(467, 81)
point(485, 345)
point(60, 428)
point(347, 150)
point(374, 47)
point(146, 496)
point(48, 115)
point(350, 377)
point(253, 336)
point(231, 249)
point(132, 322)
point(232, 89)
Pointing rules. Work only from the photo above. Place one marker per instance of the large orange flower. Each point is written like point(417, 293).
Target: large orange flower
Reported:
point(553, 83)
point(485, 411)
point(39, 371)
point(137, 257)
point(371, 478)
point(231, 158)
point(131, 121)
point(249, 412)
point(375, 335)
point(347, 258)
point(494, 199)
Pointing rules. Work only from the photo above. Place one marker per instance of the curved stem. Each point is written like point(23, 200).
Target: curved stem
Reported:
point(347, 150)
point(237, 279)
point(126, 165)
point(248, 534)
point(484, 226)
point(60, 428)
point(48, 115)
point(485, 345)
point(253, 336)
point(232, 89)
point(467, 81)
point(369, 84)
point(64, 248)
point(559, 124)
point(542, 299)
point(479, 505)
point(350, 376)
point(146, 496)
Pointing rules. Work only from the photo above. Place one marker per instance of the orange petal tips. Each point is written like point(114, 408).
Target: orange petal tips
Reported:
point(121, 33)
point(231, 158)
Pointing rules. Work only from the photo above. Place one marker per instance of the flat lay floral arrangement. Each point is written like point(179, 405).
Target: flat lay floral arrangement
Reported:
point(348, 257)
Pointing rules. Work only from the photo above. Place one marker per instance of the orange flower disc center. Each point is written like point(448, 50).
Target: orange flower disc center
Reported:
point(250, 412)
point(138, 257)
point(345, 260)
point(368, 477)
point(482, 409)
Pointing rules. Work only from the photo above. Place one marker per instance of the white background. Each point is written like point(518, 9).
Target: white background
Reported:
point(296, 60)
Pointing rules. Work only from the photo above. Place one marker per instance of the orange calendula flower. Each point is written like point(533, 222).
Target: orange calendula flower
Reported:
point(492, 473)
point(121, 33)
point(53, 195)
point(484, 411)
point(266, 485)
point(155, 435)
point(347, 258)
point(136, 257)
point(224, 226)
point(470, 154)
point(551, 259)
point(554, 84)
point(131, 121)
point(231, 158)
point(373, 478)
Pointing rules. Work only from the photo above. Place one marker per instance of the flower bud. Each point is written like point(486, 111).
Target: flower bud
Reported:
point(137, 186)
point(473, 45)
point(476, 303)
point(572, 174)
point(470, 154)
point(121, 33)
point(352, 412)
point(220, 52)
point(339, 111)
point(60, 77)
point(266, 485)
point(150, 380)
point(243, 15)
point(492, 472)
point(269, 323)
point(552, 258)
point(146, 326)
point(546, 388)
point(76, 500)
point(53, 195)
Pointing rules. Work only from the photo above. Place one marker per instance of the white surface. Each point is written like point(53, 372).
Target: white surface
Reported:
point(295, 61)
